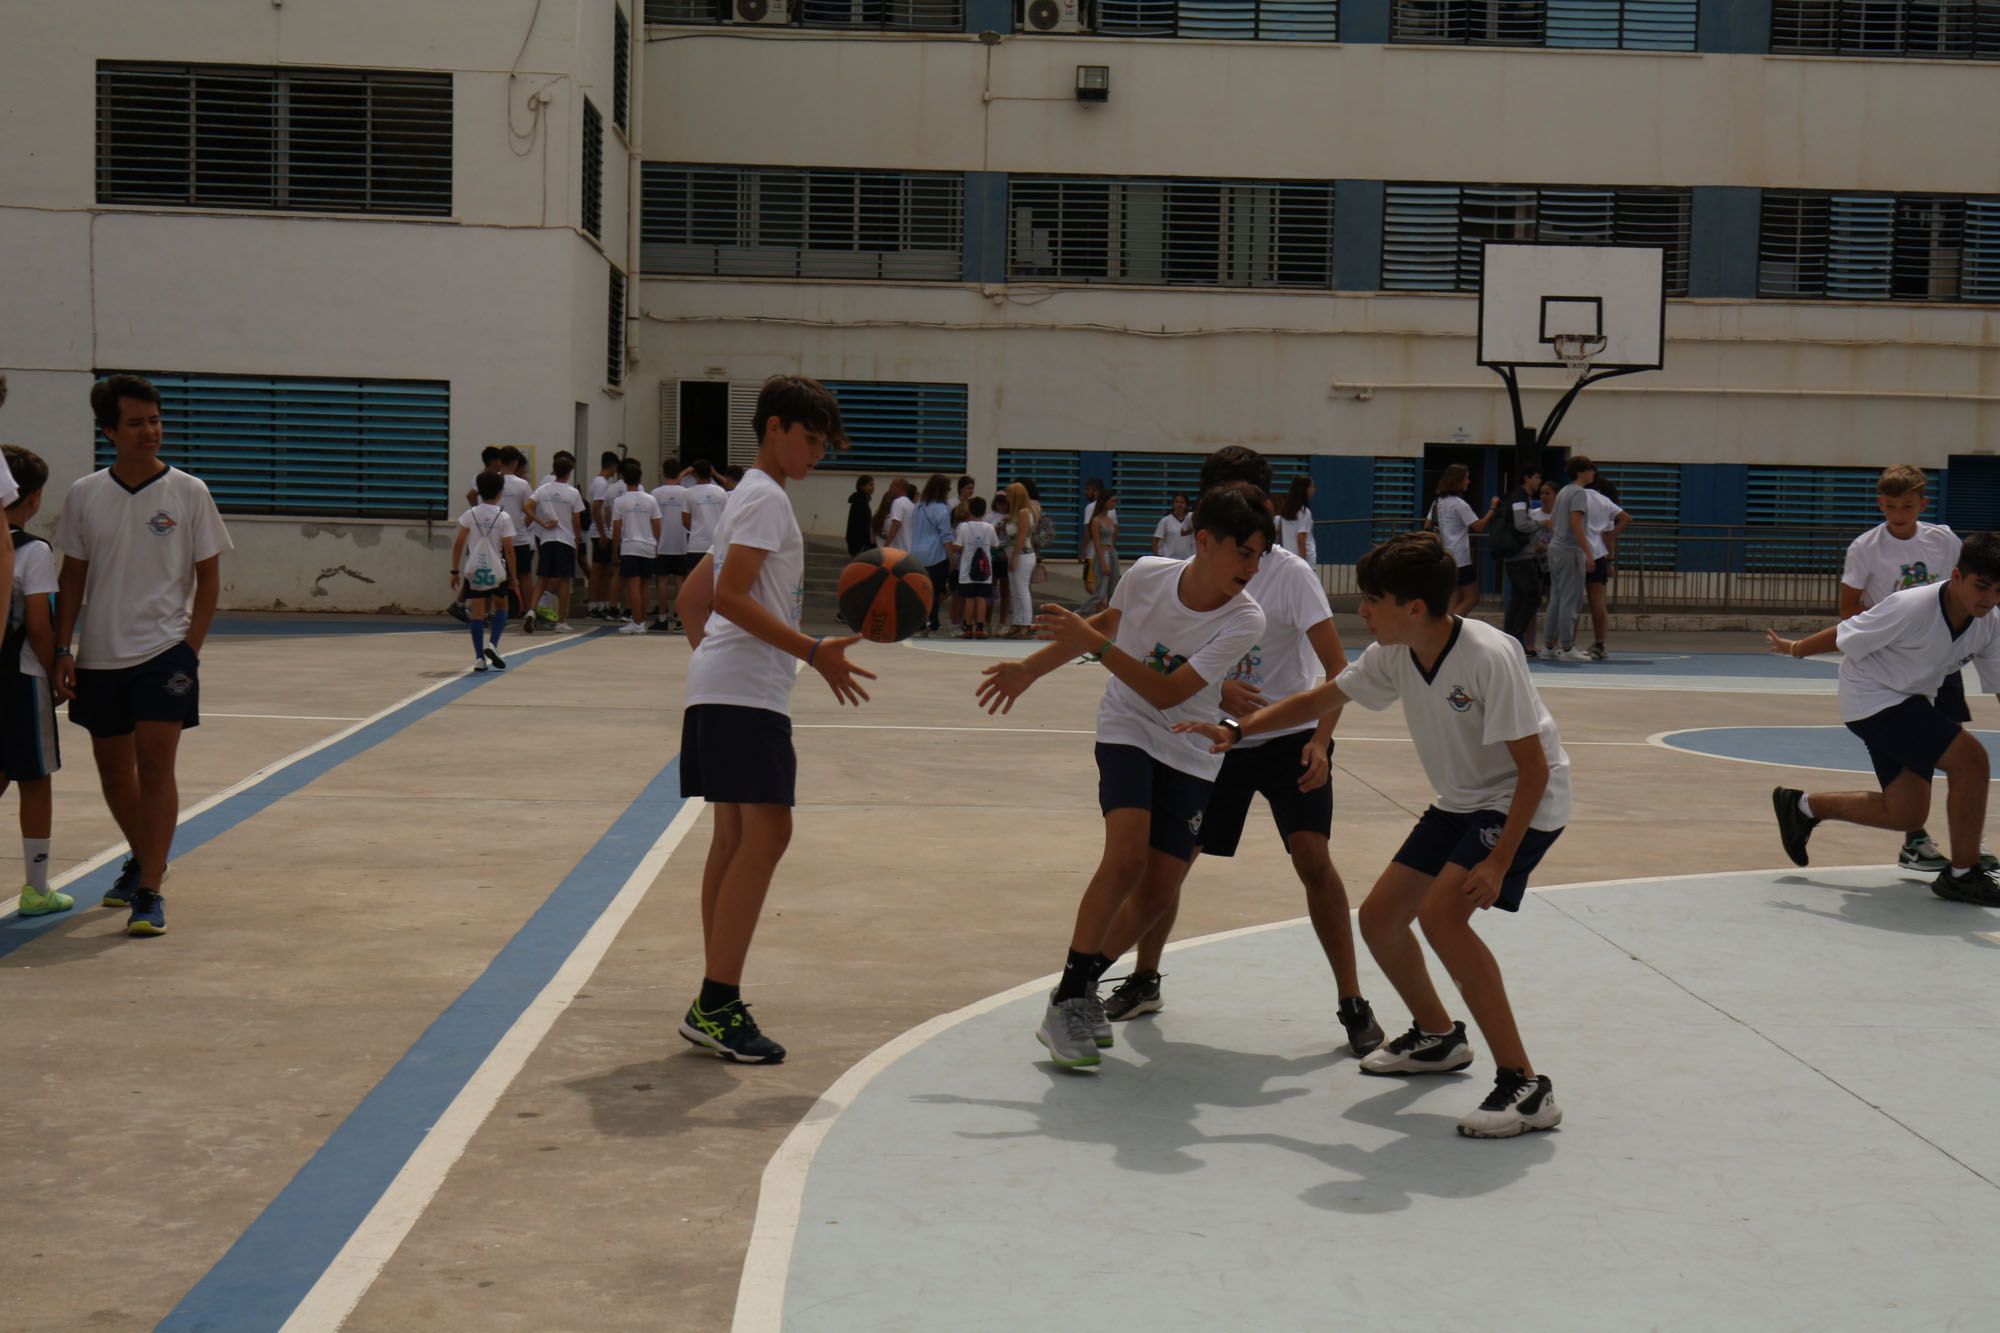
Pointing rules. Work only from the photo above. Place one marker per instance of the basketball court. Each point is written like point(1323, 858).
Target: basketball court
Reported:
point(407, 1056)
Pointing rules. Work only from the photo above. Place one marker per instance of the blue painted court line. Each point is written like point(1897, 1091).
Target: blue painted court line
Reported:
point(212, 823)
point(1761, 666)
point(1833, 747)
point(269, 1270)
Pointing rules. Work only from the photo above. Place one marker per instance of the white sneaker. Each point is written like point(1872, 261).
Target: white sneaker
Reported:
point(631, 627)
point(1420, 1052)
point(479, 664)
point(561, 627)
point(1069, 1030)
point(1516, 1105)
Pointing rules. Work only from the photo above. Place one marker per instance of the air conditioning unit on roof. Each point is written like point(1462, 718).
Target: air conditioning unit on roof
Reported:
point(1056, 16)
point(761, 11)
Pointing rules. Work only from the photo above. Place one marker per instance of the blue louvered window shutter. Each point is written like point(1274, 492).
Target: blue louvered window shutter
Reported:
point(1659, 25)
point(1136, 18)
point(326, 448)
point(1058, 478)
point(1146, 484)
point(1396, 503)
point(1651, 494)
point(1791, 244)
point(1420, 238)
point(1975, 495)
point(894, 427)
point(1980, 280)
point(1860, 244)
point(1935, 29)
point(1837, 502)
point(1191, 233)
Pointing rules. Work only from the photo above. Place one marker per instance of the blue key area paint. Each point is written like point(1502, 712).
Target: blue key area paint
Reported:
point(212, 823)
point(269, 1270)
point(314, 626)
point(1742, 666)
point(1834, 748)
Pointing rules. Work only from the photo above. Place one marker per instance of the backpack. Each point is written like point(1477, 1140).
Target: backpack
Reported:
point(481, 570)
point(980, 568)
point(1506, 540)
point(13, 638)
point(1045, 531)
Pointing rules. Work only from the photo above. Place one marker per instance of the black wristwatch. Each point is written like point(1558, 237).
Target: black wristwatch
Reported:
point(1235, 729)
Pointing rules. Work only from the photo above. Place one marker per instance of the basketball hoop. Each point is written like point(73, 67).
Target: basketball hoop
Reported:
point(1577, 351)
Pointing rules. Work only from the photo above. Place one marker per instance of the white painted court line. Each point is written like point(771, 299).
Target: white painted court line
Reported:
point(8, 906)
point(283, 717)
point(1087, 731)
point(1661, 740)
point(360, 1261)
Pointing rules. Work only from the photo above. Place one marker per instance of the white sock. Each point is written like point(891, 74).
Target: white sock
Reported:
point(35, 851)
point(1961, 871)
point(1805, 806)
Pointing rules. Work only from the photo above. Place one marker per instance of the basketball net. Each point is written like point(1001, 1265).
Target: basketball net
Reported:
point(1577, 351)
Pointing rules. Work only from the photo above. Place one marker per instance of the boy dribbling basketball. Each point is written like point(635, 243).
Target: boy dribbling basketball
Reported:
point(736, 733)
point(1173, 630)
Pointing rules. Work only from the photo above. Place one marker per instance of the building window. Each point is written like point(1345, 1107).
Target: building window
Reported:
point(614, 331)
point(895, 427)
point(1145, 486)
point(322, 141)
point(328, 448)
point(785, 223)
point(867, 15)
point(1171, 232)
point(621, 72)
point(1240, 20)
point(1432, 234)
point(1879, 247)
point(1644, 25)
point(593, 170)
point(1940, 29)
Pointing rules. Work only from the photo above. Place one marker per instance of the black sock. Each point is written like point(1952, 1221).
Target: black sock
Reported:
point(1079, 974)
point(715, 995)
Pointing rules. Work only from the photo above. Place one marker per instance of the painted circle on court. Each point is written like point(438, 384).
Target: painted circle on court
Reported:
point(1828, 748)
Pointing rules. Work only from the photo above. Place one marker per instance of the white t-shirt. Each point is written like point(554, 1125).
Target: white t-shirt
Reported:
point(1454, 519)
point(1291, 529)
point(975, 534)
point(34, 576)
point(560, 501)
point(1175, 536)
point(733, 666)
point(632, 516)
point(1902, 647)
point(9, 492)
point(672, 500)
point(600, 489)
point(514, 492)
point(1282, 663)
point(487, 527)
point(704, 501)
point(1601, 514)
point(1156, 627)
point(1463, 715)
point(900, 510)
point(1879, 563)
point(142, 546)
point(1544, 529)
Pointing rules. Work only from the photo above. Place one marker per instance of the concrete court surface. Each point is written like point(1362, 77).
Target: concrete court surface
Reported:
point(164, 1094)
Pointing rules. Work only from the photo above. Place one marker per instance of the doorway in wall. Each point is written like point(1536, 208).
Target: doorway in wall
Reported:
point(1494, 472)
point(704, 421)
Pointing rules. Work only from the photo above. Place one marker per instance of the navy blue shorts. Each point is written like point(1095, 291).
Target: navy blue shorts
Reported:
point(555, 560)
point(1444, 838)
point(635, 566)
point(1913, 735)
point(1951, 698)
point(1270, 770)
point(600, 551)
point(29, 747)
point(738, 756)
point(976, 592)
point(111, 702)
point(1130, 779)
point(671, 566)
point(1467, 574)
point(1600, 571)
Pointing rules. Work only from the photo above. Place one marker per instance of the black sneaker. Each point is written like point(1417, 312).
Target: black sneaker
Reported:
point(731, 1033)
point(1596, 652)
point(1134, 995)
point(1364, 1034)
point(1516, 1105)
point(121, 891)
point(458, 612)
point(1978, 886)
point(1793, 825)
point(499, 662)
point(1419, 1052)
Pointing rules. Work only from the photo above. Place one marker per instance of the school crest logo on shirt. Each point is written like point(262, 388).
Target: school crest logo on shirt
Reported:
point(1914, 575)
point(1460, 701)
point(1164, 660)
point(161, 523)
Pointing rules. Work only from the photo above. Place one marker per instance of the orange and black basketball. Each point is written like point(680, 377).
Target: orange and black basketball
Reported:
point(885, 595)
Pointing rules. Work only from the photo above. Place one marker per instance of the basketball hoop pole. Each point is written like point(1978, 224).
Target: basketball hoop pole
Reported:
point(1529, 441)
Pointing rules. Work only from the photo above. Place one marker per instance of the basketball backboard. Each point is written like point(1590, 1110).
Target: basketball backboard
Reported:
point(1531, 295)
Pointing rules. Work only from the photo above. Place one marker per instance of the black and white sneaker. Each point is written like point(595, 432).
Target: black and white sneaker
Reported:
point(1134, 995)
point(1596, 652)
point(731, 1033)
point(458, 612)
point(1978, 886)
point(1794, 826)
point(1420, 1052)
point(1364, 1034)
point(1516, 1105)
point(499, 662)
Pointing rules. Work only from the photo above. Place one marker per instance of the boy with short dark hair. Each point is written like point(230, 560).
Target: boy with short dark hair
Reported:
point(1514, 542)
point(484, 563)
point(670, 562)
point(143, 542)
point(30, 753)
point(604, 488)
point(972, 544)
point(1569, 560)
point(1490, 747)
point(1892, 657)
point(556, 510)
point(1172, 632)
point(635, 531)
point(1902, 552)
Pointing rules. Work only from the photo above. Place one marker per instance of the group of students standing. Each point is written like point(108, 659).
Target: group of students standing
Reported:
point(983, 557)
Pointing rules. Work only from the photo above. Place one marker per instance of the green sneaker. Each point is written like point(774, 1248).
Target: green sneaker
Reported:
point(120, 893)
point(41, 904)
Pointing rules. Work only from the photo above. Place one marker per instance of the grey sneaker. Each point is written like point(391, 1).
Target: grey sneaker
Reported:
point(1100, 1023)
point(1135, 995)
point(1922, 853)
point(1069, 1030)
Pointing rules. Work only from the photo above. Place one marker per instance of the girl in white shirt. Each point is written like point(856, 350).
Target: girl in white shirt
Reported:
point(1295, 522)
point(1173, 535)
point(1455, 521)
point(741, 606)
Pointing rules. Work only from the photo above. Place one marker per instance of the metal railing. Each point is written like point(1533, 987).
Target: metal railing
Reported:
point(1659, 567)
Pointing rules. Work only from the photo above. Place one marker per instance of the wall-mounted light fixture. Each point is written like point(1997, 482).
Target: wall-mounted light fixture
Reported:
point(1093, 83)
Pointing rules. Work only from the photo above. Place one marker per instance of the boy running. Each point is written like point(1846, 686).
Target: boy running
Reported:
point(484, 567)
point(1173, 630)
point(736, 735)
point(1892, 657)
point(1901, 552)
point(556, 511)
point(1503, 795)
point(142, 543)
point(29, 751)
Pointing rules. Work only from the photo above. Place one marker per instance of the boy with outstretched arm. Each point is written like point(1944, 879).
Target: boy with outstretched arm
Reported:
point(1173, 630)
point(741, 605)
point(1892, 657)
point(29, 752)
point(1491, 749)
